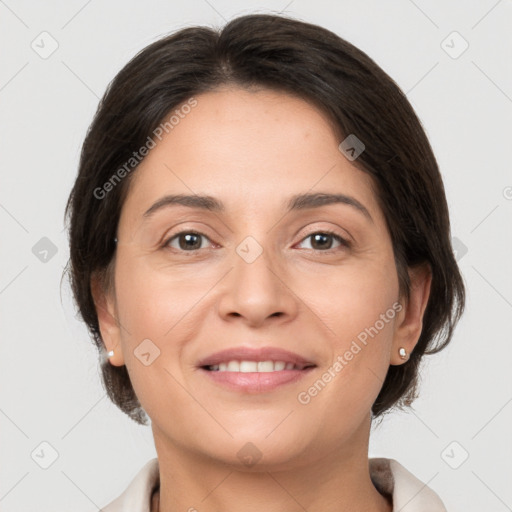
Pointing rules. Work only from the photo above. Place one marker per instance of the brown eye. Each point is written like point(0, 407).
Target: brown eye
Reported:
point(323, 241)
point(187, 241)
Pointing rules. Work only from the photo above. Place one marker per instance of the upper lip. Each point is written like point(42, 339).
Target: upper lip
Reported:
point(254, 354)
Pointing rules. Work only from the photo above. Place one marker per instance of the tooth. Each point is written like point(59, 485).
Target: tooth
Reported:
point(253, 366)
point(233, 366)
point(248, 366)
point(265, 366)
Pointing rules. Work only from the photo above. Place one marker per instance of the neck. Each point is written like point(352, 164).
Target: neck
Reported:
point(337, 482)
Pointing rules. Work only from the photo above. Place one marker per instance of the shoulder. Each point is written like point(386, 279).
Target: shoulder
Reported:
point(409, 494)
point(137, 496)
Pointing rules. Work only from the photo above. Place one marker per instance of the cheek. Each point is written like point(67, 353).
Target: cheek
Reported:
point(151, 301)
point(156, 312)
point(355, 308)
point(353, 377)
point(351, 299)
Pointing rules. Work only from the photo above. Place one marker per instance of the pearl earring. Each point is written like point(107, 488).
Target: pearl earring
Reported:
point(111, 353)
point(402, 353)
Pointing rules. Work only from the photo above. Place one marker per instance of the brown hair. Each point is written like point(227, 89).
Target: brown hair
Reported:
point(298, 58)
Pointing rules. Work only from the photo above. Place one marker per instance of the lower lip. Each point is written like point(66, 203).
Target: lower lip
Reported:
point(256, 382)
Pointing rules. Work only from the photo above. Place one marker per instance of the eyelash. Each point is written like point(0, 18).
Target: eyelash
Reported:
point(343, 242)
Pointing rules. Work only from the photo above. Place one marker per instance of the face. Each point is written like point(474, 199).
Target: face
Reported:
point(254, 275)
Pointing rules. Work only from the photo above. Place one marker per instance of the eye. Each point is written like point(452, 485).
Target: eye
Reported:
point(191, 241)
point(322, 241)
point(187, 241)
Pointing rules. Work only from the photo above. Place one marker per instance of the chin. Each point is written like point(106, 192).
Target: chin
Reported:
point(257, 451)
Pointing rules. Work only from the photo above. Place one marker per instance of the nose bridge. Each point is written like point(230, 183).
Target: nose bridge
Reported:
point(255, 264)
point(256, 289)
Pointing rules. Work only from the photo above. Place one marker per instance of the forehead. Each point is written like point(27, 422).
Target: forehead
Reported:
point(251, 149)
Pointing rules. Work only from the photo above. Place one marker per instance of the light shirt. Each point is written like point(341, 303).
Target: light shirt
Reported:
point(389, 477)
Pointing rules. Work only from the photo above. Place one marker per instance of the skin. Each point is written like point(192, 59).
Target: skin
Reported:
point(252, 150)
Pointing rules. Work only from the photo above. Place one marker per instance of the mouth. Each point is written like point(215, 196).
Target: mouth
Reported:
point(254, 366)
point(255, 370)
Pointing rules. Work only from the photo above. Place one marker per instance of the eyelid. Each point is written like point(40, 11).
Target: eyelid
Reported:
point(167, 239)
point(344, 242)
point(336, 232)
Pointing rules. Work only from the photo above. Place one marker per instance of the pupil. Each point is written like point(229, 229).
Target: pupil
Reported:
point(322, 237)
point(189, 238)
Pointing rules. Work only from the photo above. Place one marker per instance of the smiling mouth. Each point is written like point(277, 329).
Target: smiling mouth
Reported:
point(255, 366)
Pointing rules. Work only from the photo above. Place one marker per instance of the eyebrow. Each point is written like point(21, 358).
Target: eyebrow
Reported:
point(296, 202)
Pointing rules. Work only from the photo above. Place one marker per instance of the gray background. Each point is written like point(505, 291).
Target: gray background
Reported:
point(50, 390)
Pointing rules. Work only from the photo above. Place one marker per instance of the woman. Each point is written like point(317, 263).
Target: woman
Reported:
point(260, 247)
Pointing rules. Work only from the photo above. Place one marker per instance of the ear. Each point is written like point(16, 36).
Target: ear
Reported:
point(409, 321)
point(107, 320)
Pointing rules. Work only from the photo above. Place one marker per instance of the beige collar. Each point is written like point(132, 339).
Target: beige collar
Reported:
point(391, 479)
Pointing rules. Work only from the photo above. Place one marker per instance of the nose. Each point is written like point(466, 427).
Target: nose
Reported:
point(258, 291)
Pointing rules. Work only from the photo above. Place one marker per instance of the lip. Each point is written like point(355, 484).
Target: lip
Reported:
point(255, 382)
point(255, 354)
